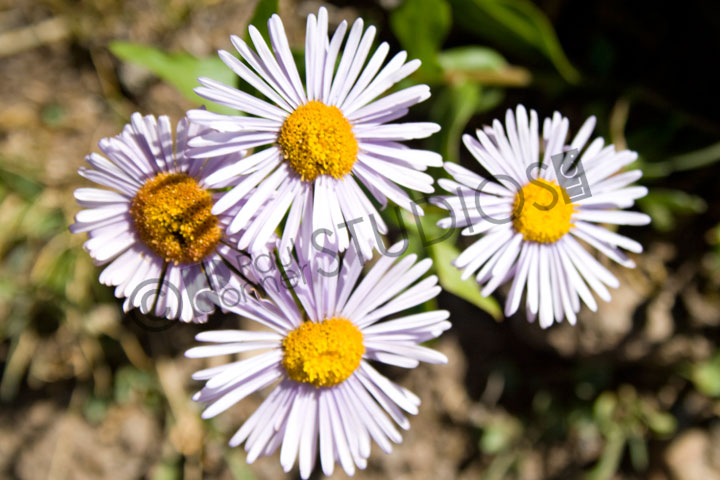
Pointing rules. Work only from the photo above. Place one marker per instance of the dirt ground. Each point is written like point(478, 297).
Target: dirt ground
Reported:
point(99, 396)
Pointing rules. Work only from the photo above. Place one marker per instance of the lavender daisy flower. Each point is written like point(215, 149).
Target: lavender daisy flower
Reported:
point(326, 138)
point(153, 223)
point(532, 222)
point(328, 400)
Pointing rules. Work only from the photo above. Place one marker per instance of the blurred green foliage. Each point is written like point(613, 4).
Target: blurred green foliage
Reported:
point(49, 294)
point(39, 264)
point(421, 27)
point(180, 70)
point(263, 11)
point(427, 240)
point(666, 205)
point(516, 25)
point(706, 375)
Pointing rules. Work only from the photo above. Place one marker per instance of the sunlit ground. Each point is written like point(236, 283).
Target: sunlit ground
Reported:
point(630, 392)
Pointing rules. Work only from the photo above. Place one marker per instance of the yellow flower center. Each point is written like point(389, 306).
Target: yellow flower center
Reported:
point(323, 353)
point(172, 216)
point(317, 139)
point(542, 211)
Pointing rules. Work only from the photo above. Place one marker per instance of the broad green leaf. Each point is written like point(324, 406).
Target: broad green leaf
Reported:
point(469, 59)
point(421, 27)
point(440, 246)
point(263, 11)
point(515, 23)
point(452, 109)
point(181, 70)
point(443, 253)
point(480, 65)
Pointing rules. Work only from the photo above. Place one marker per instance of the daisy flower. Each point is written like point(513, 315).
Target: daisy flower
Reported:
point(533, 229)
point(327, 399)
point(153, 222)
point(325, 141)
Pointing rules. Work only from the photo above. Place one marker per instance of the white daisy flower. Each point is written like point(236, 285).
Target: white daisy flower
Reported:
point(531, 226)
point(327, 400)
point(153, 222)
point(325, 140)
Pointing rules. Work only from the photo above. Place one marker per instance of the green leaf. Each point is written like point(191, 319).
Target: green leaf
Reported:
point(665, 205)
point(180, 70)
point(440, 246)
point(687, 161)
point(500, 434)
point(59, 272)
point(470, 59)
point(638, 452)
point(453, 108)
point(167, 469)
point(610, 457)
point(480, 65)
point(706, 376)
point(263, 11)
point(604, 408)
point(132, 384)
point(515, 23)
point(421, 27)
point(661, 423)
point(443, 253)
point(235, 460)
point(25, 186)
point(95, 409)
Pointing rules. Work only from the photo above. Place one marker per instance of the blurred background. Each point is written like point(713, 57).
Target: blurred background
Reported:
point(631, 392)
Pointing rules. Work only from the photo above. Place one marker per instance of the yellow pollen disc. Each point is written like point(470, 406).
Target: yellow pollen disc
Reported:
point(541, 216)
point(172, 216)
point(318, 140)
point(323, 353)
